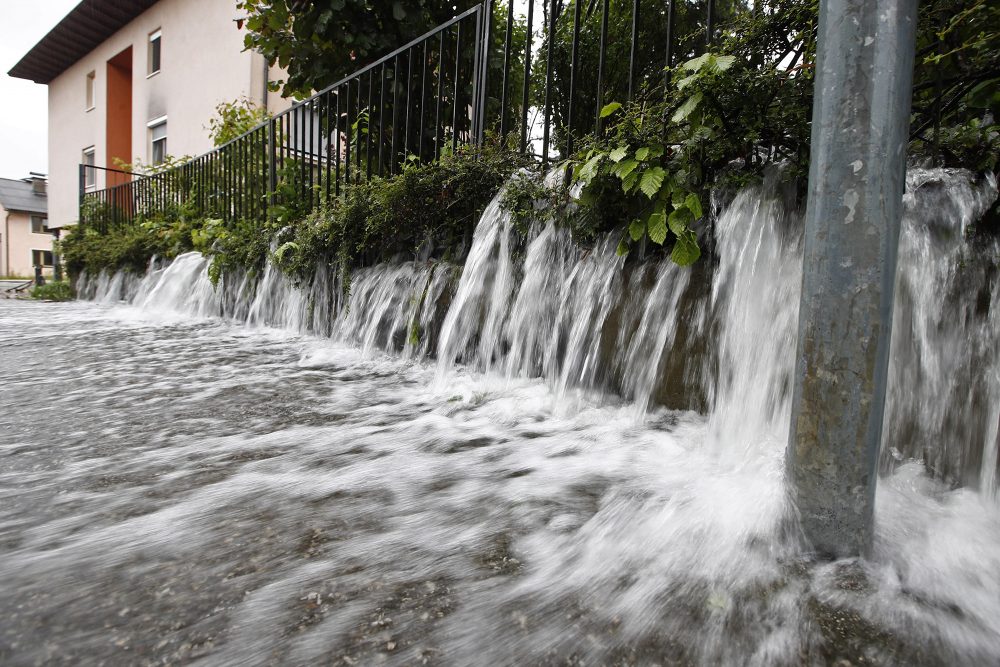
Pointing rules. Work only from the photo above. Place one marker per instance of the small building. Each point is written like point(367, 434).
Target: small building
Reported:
point(25, 237)
point(137, 80)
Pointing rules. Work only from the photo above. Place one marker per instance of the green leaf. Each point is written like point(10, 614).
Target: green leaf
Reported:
point(694, 205)
point(690, 104)
point(686, 81)
point(679, 220)
point(722, 63)
point(618, 154)
point(657, 225)
point(628, 183)
point(636, 229)
point(642, 153)
point(696, 64)
point(624, 168)
point(589, 170)
point(622, 248)
point(398, 12)
point(609, 109)
point(985, 95)
point(652, 179)
point(686, 250)
point(284, 249)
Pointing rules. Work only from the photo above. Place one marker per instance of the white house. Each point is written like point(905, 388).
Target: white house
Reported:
point(137, 79)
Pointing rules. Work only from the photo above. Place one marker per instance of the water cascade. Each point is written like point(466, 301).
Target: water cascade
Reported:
point(582, 454)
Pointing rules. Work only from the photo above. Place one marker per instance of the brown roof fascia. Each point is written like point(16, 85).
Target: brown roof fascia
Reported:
point(80, 32)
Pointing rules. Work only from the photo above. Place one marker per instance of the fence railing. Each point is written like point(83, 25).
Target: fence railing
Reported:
point(428, 97)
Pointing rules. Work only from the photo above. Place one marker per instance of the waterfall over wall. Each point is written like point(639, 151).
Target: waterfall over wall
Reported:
point(718, 338)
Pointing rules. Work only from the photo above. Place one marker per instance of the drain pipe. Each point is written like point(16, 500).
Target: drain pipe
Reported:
point(860, 128)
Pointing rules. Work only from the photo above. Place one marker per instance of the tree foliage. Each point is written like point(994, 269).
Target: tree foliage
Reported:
point(235, 118)
point(318, 43)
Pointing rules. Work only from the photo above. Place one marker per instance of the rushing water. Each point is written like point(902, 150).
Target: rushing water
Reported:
point(549, 456)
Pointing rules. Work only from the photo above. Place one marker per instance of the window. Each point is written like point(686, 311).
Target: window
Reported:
point(41, 258)
point(157, 140)
point(153, 52)
point(89, 173)
point(90, 91)
point(39, 224)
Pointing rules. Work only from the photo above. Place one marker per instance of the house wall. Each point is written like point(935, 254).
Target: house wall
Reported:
point(17, 242)
point(202, 65)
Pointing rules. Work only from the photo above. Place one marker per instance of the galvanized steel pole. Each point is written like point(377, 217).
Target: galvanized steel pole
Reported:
point(861, 118)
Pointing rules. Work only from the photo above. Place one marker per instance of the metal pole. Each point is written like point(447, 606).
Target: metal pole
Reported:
point(860, 128)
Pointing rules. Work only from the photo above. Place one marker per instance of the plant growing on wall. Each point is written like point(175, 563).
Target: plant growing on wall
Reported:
point(233, 119)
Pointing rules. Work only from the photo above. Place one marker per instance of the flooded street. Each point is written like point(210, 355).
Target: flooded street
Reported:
point(472, 465)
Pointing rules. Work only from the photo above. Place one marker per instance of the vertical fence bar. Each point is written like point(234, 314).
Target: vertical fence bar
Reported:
point(408, 103)
point(476, 76)
point(504, 82)
point(669, 56)
point(336, 167)
point(357, 137)
point(527, 77)
point(438, 130)
point(484, 84)
point(423, 103)
point(310, 128)
point(395, 107)
point(348, 135)
point(550, 44)
point(265, 175)
point(240, 177)
point(328, 135)
point(300, 146)
point(710, 23)
point(574, 64)
point(381, 116)
point(455, 95)
point(368, 136)
point(632, 49)
point(600, 64)
point(272, 166)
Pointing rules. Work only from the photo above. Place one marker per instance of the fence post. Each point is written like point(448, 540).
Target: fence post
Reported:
point(856, 180)
point(484, 85)
point(272, 171)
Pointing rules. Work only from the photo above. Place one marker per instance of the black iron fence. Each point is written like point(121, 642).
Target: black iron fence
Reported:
point(537, 73)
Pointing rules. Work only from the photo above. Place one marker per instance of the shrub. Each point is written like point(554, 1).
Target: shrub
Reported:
point(53, 291)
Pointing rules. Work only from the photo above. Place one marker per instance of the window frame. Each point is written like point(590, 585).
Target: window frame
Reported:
point(44, 226)
point(89, 175)
point(151, 127)
point(43, 252)
point(91, 90)
point(154, 52)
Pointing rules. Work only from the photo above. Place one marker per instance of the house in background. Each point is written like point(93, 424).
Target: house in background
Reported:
point(25, 238)
point(137, 80)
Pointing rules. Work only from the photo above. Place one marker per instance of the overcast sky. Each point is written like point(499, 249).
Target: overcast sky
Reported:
point(23, 109)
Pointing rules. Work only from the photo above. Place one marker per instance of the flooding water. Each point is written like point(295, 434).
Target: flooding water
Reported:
point(477, 467)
